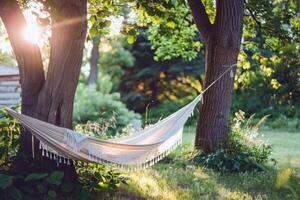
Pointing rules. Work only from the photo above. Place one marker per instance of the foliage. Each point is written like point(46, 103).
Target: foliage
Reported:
point(176, 38)
point(269, 61)
point(118, 57)
point(285, 123)
point(172, 33)
point(98, 178)
point(51, 185)
point(152, 82)
point(9, 139)
point(6, 57)
point(167, 108)
point(93, 105)
point(244, 151)
point(42, 185)
point(97, 129)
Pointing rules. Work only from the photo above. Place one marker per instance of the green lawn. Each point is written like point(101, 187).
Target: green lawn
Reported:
point(177, 180)
point(286, 147)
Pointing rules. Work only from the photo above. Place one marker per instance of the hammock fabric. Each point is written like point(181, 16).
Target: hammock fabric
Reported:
point(134, 152)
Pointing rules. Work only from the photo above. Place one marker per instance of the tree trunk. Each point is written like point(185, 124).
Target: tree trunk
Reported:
point(55, 102)
point(222, 40)
point(31, 71)
point(51, 99)
point(94, 61)
point(212, 127)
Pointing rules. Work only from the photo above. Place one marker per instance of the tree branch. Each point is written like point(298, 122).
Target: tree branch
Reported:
point(28, 55)
point(200, 17)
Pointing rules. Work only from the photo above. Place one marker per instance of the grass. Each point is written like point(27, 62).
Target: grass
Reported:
point(174, 178)
point(286, 147)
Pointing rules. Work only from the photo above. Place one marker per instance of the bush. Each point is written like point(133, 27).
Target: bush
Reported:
point(9, 139)
point(99, 178)
point(278, 123)
point(40, 186)
point(244, 151)
point(285, 123)
point(96, 106)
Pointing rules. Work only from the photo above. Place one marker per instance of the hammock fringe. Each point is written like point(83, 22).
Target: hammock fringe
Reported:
point(134, 152)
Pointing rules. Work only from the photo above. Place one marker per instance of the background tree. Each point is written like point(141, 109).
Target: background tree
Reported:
point(48, 91)
point(148, 81)
point(95, 55)
point(222, 41)
point(269, 60)
point(221, 30)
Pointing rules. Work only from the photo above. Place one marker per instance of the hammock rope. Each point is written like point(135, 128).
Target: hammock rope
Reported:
point(134, 152)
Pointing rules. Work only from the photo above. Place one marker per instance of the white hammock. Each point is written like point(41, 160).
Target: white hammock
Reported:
point(134, 152)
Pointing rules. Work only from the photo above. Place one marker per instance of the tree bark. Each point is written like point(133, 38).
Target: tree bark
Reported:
point(55, 101)
point(52, 99)
point(222, 48)
point(93, 76)
point(29, 62)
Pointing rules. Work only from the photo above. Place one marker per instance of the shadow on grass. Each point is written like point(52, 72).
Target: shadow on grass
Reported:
point(176, 178)
point(166, 181)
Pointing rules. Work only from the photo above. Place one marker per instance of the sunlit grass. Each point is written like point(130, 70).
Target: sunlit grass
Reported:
point(286, 147)
point(181, 180)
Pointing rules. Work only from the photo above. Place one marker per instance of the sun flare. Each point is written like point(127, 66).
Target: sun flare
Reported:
point(32, 33)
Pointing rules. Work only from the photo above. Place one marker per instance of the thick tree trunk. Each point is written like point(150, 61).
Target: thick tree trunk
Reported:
point(222, 41)
point(93, 76)
point(50, 100)
point(55, 102)
point(31, 70)
point(212, 127)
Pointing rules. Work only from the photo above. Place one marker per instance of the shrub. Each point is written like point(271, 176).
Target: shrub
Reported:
point(291, 124)
point(99, 178)
point(38, 185)
point(279, 123)
point(244, 151)
point(9, 139)
point(93, 105)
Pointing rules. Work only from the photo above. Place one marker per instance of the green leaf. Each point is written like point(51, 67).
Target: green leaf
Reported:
point(104, 185)
point(93, 18)
point(93, 31)
point(5, 181)
point(52, 194)
point(41, 188)
point(67, 187)
point(35, 176)
point(132, 32)
point(130, 39)
point(15, 193)
point(55, 178)
point(171, 24)
point(107, 23)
